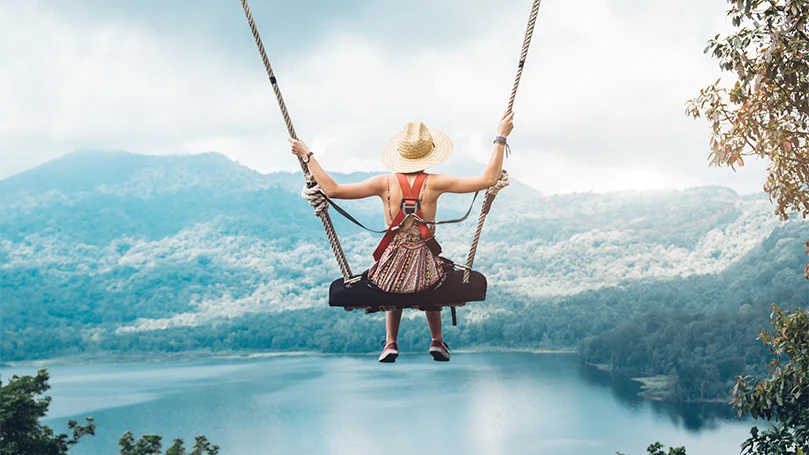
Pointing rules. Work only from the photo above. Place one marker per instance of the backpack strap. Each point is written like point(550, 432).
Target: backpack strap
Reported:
point(411, 204)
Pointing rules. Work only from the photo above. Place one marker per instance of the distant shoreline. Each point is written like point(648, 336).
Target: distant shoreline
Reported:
point(166, 357)
point(655, 387)
point(651, 388)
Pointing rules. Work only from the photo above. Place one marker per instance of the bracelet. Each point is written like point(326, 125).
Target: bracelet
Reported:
point(502, 141)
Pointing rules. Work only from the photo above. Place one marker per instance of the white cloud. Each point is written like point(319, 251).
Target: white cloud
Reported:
point(112, 85)
point(571, 175)
point(600, 106)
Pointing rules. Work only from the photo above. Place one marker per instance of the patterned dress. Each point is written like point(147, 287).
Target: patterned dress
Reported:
point(407, 265)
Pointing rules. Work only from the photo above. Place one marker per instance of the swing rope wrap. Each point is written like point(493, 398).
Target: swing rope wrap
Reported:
point(491, 193)
point(315, 198)
point(321, 209)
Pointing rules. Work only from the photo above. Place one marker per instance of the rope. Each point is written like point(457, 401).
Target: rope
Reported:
point(529, 33)
point(320, 204)
point(321, 210)
point(316, 198)
point(491, 193)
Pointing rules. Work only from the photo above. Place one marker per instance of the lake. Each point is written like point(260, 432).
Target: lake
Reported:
point(479, 403)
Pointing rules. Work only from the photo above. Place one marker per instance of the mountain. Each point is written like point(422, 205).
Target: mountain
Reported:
point(121, 253)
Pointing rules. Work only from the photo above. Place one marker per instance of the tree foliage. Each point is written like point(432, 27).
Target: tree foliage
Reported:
point(699, 355)
point(658, 449)
point(20, 411)
point(782, 396)
point(765, 113)
point(150, 444)
point(21, 433)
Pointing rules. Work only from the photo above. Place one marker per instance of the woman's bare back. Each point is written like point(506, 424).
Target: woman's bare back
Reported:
point(392, 200)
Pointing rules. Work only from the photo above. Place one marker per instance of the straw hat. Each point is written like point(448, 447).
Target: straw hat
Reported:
point(416, 148)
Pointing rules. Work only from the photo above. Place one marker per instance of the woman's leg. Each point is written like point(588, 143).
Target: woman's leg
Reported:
point(391, 351)
point(392, 320)
point(438, 349)
point(434, 321)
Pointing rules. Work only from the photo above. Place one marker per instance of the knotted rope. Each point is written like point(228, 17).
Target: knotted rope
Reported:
point(316, 199)
point(491, 193)
point(321, 210)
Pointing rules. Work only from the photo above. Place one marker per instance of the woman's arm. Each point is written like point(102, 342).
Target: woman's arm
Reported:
point(444, 183)
point(374, 186)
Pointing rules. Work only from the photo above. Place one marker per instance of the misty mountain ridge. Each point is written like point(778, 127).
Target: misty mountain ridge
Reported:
point(187, 241)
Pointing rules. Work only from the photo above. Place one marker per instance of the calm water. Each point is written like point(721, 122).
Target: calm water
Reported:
point(492, 403)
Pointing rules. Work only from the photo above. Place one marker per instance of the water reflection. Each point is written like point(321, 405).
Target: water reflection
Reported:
point(487, 404)
point(694, 417)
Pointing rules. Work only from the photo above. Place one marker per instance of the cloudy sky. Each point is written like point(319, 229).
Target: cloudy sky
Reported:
point(601, 105)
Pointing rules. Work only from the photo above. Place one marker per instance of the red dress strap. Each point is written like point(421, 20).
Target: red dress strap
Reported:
point(411, 193)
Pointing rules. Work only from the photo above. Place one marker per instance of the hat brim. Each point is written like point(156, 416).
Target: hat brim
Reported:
point(395, 162)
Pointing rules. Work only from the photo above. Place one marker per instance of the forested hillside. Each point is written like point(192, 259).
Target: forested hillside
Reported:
point(118, 253)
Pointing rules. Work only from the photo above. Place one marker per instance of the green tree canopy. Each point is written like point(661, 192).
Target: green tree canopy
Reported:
point(783, 396)
point(765, 111)
point(149, 444)
point(20, 411)
point(658, 449)
point(21, 433)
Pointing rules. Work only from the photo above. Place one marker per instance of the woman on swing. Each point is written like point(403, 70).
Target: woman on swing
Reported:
point(407, 265)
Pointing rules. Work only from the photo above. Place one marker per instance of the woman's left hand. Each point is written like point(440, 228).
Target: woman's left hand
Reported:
point(298, 147)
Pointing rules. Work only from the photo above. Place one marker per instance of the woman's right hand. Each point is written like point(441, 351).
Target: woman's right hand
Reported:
point(506, 124)
point(298, 147)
